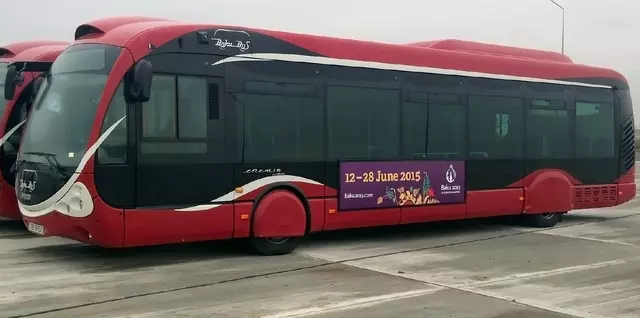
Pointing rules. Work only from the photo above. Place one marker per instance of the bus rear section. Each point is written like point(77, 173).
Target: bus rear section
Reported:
point(627, 187)
point(15, 110)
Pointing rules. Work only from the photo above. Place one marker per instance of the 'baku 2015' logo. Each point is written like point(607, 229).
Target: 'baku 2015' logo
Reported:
point(451, 174)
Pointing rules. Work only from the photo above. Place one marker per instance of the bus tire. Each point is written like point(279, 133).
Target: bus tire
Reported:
point(544, 220)
point(274, 246)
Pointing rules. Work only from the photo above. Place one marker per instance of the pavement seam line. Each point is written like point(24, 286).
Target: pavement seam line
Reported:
point(470, 290)
point(591, 239)
point(354, 303)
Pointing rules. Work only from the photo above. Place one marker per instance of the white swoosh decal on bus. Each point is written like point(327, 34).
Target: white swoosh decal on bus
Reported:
point(247, 188)
point(296, 58)
point(48, 205)
point(10, 132)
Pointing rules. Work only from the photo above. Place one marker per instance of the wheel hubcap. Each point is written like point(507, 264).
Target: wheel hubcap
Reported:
point(547, 215)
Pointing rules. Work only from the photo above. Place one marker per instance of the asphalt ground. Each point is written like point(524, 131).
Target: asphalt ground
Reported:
point(586, 266)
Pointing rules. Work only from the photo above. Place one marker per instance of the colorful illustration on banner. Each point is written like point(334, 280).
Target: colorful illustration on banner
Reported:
point(412, 195)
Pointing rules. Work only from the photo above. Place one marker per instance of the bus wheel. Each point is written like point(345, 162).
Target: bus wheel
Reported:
point(278, 223)
point(274, 245)
point(544, 219)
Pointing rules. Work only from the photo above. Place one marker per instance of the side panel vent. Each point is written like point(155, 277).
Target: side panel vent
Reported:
point(595, 196)
point(628, 146)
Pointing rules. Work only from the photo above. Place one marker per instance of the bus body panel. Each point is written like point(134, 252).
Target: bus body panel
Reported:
point(104, 228)
point(143, 225)
point(209, 184)
point(495, 202)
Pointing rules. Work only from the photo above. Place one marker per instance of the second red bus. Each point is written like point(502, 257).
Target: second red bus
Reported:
point(15, 110)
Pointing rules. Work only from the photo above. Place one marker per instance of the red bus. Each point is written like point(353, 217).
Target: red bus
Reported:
point(162, 132)
point(15, 110)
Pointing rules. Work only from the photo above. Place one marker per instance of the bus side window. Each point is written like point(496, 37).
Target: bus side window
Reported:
point(114, 149)
point(159, 113)
point(496, 127)
point(18, 115)
point(594, 130)
point(548, 130)
point(414, 125)
point(282, 128)
point(174, 120)
point(364, 123)
point(192, 107)
point(446, 135)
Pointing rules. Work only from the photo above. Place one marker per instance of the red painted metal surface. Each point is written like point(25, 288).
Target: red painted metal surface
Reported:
point(104, 227)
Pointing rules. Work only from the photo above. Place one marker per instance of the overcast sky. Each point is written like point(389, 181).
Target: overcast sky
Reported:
point(598, 32)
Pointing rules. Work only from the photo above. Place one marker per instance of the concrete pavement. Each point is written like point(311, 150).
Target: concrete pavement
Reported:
point(588, 266)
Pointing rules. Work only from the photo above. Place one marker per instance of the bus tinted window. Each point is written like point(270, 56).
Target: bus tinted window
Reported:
point(114, 148)
point(16, 117)
point(548, 134)
point(3, 73)
point(495, 127)
point(192, 107)
point(158, 114)
point(161, 117)
point(414, 125)
point(282, 128)
point(594, 130)
point(363, 123)
point(446, 131)
point(95, 58)
point(3, 102)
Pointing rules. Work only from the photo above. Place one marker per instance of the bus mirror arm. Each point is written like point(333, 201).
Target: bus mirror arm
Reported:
point(36, 85)
point(140, 90)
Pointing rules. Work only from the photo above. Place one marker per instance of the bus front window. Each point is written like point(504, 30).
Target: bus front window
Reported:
point(3, 73)
point(66, 105)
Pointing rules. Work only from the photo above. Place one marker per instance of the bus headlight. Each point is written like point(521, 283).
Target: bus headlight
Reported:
point(77, 202)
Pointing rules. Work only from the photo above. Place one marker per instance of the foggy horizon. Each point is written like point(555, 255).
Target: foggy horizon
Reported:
point(596, 31)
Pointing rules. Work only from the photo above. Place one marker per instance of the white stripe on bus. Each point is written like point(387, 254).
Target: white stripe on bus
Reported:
point(10, 132)
point(295, 58)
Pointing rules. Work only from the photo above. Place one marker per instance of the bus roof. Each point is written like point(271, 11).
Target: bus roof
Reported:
point(105, 25)
point(454, 55)
point(501, 50)
point(46, 53)
point(11, 51)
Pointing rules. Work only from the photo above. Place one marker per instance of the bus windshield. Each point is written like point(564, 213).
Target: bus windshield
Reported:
point(3, 73)
point(66, 105)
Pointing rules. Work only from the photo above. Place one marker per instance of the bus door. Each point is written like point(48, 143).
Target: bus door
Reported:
point(549, 144)
point(183, 161)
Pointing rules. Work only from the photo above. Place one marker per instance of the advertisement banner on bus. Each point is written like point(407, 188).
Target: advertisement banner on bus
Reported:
point(384, 184)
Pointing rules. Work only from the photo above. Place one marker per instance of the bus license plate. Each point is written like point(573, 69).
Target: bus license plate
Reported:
point(36, 228)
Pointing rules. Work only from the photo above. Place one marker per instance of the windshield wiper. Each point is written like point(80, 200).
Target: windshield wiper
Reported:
point(51, 158)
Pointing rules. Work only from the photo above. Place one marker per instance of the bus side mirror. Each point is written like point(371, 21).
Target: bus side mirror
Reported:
point(140, 89)
point(10, 82)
